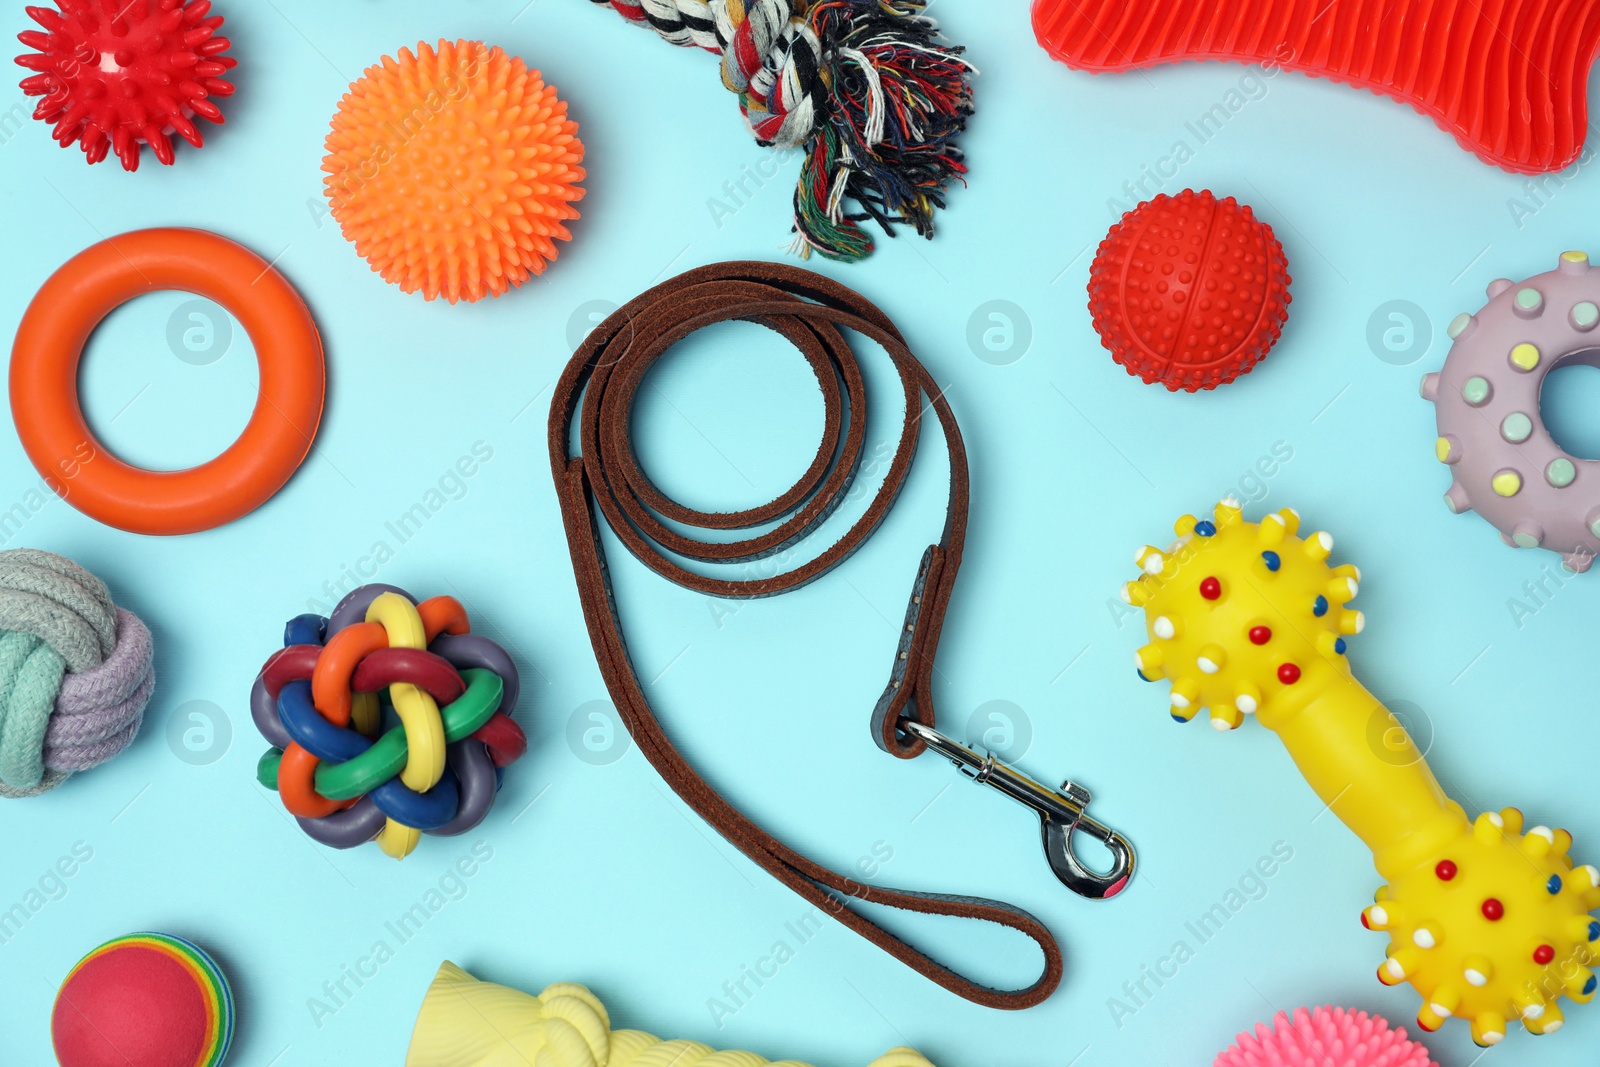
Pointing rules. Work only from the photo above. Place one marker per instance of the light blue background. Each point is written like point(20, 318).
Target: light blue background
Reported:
point(607, 878)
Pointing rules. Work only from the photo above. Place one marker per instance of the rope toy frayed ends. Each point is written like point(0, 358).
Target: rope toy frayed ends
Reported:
point(76, 672)
point(869, 88)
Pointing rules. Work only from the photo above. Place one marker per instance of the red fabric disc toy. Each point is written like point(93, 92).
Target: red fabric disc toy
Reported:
point(118, 74)
point(1189, 291)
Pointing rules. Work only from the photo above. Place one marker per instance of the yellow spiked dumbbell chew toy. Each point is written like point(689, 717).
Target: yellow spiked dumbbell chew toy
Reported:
point(1487, 922)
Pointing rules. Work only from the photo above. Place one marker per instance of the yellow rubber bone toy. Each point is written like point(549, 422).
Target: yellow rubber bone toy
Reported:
point(468, 1023)
point(1487, 922)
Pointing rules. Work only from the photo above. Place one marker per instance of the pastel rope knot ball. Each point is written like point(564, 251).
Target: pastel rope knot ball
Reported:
point(144, 1000)
point(453, 170)
point(115, 75)
point(1325, 1037)
point(76, 672)
point(1189, 291)
point(388, 719)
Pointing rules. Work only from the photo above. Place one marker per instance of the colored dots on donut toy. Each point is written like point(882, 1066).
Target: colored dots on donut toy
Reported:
point(1506, 483)
point(1516, 427)
point(1503, 461)
point(1493, 910)
point(1288, 674)
point(117, 77)
point(1260, 635)
point(1210, 588)
point(1189, 291)
point(144, 1000)
point(1445, 870)
point(453, 170)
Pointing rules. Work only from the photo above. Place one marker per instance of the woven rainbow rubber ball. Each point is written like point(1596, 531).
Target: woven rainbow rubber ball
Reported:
point(1189, 291)
point(388, 719)
point(453, 170)
point(144, 1000)
point(1326, 1037)
point(114, 75)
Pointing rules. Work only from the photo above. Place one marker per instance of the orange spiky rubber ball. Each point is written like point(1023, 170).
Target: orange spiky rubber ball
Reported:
point(453, 170)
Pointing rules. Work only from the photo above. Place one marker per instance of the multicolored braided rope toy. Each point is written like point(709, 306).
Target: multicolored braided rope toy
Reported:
point(76, 672)
point(868, 88)
point(324, 698)
point(1488, 920)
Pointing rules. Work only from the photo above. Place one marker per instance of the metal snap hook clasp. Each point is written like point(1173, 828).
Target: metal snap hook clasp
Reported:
point(1070, 869)
point(1060, 813)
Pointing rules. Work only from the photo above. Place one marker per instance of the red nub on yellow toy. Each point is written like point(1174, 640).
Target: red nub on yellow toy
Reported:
point(453, 170)
point(1189, 291)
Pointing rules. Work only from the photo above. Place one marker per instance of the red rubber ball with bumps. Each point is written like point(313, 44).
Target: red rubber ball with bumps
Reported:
point(115, 75)
point(130, 1008)
point(1189, 291)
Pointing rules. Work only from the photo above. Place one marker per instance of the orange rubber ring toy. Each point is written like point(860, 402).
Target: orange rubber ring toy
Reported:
point(44, 381)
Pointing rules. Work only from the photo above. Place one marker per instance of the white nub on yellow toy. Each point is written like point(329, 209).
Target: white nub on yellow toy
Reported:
point(1486, 921)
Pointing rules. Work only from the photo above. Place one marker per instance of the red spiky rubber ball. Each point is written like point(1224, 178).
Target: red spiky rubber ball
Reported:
point(1325, 1037)
point(1189, 291)
point(454, 170)
point(115, 75)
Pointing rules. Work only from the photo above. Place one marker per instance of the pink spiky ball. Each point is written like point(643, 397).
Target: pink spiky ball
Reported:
point(1325, 1037)
point(115, 75)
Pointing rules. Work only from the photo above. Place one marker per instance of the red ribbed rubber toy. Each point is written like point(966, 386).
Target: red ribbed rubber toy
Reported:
point(1189, 291)
point(1509, 80)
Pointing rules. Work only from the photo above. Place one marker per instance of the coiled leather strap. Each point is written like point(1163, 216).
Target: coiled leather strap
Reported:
point(604, 481)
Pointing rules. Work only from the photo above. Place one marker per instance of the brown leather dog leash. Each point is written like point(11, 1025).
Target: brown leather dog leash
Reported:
point(606, 480)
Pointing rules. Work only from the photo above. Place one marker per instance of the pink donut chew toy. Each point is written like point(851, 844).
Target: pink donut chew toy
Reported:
point(1325, 1037)
point(1189, 291)
point(1503, 462)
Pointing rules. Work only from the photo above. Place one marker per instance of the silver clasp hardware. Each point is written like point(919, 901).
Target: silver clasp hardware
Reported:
point(1060, 812)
